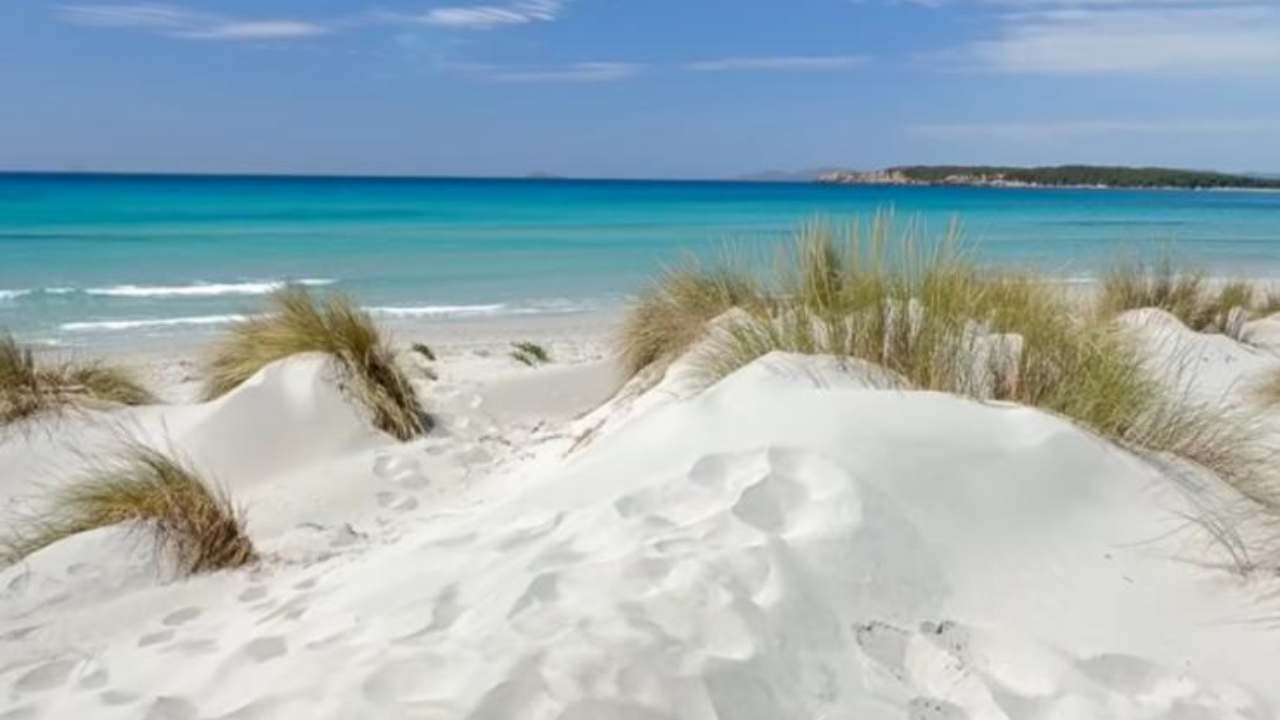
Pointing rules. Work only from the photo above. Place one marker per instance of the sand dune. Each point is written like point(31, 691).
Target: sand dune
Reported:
point(796, 541)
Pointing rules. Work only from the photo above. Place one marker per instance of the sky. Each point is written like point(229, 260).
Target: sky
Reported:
point(635, 88)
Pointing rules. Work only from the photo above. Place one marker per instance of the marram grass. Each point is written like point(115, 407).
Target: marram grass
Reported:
point(298, 323)
point(195, 526)
point(939, 322)
point(1185, 294)
point(671, 315)
point(29, 387)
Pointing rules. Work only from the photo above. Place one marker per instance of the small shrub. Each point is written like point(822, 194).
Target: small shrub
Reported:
point(197, 527)
point(28, 388)
point(425, 351)
point(531, 354)
point(336, 327)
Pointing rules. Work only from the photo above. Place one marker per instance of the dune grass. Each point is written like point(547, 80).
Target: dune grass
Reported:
point(194, 525)
point(298, 323)
point(1185, 294)
point(672, 313)
point(29, 387)
point(530, 353)
point(925, 311)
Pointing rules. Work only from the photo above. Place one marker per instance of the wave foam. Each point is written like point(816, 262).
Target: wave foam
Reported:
point(438, 310)
point(7, 295)
point(106, 325)
point(202, 289)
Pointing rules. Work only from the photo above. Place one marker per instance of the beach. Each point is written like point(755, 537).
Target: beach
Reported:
point(802, 538)
point(871, 479)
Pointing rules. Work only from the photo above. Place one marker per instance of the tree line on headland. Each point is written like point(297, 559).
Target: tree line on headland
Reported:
point(1057, 176)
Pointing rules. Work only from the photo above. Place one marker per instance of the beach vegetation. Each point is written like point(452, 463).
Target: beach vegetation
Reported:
point(191, 523)
point(1185, 294)
point(530, 353)
point(425, 351)
point(925, 311)
point(672, 313)
point(299, 323)
point(29, 387)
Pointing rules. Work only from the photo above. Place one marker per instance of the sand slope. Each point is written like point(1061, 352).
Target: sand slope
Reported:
point(794, 542)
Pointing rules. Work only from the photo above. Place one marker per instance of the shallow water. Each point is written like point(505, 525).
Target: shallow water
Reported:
point(86, 257)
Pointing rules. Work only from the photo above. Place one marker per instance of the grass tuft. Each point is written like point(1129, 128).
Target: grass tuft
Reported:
point(335, 326)
point(425, 351)
point(923, 310)
point(29, 388)
point(197, 527)
point(529, 353)
point(1185, 294)
point(671, 315)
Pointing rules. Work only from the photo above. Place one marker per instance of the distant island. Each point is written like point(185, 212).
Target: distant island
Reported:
point(1063, 176)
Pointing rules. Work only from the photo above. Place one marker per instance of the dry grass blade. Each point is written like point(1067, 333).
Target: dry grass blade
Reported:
point(29, 387)
point(197, 527)
point(336, 327)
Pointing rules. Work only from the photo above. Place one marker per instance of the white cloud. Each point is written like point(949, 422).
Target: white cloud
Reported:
point(1129, 36)
point(575, 72)
point(483, 17)
point(795, 62)
point(174, 21)
point(266, 29)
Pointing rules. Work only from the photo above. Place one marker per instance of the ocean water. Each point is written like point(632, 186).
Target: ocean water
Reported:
point(91, 258)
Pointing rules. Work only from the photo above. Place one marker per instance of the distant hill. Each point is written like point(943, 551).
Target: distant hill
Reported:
point(1058, 176)
point(787, 175)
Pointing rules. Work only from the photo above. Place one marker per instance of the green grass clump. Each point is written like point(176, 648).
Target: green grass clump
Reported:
point(197, 527)
point(29, 388)
point(1135, 285)
point(298, 323)
point(923, 310)
point(529, 353)
point(1184, 294)
point(671, 315)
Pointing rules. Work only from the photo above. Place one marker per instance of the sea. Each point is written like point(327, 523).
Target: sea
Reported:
point(94, 258)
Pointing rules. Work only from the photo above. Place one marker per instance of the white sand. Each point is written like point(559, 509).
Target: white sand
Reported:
point(795, 542)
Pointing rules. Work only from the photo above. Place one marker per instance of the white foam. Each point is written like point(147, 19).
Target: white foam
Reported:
point(109, 325)
point(7, 295)
point(438, 310)
point(203, 289)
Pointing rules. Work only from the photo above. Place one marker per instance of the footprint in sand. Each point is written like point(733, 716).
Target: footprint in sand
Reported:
point(885, 644)
point(117, 697)
point(26, 712)
point(253, 594)
point(923, 708)
point(262, 649)
point(179, 617)
point(45, 677)
point(95, 680)
point(445, 611)
point(171, 708)
point(155, 638)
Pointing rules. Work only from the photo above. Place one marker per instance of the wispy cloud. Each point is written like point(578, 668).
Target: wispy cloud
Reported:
point(574, 72)
point(484, 17)
point(1128, 36)
point(174, 21)
point(793, 62)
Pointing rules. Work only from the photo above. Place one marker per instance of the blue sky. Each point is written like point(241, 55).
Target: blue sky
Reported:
point(635, 88)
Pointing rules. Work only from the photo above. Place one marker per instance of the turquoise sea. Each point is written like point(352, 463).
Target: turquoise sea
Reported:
point(85, 258)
